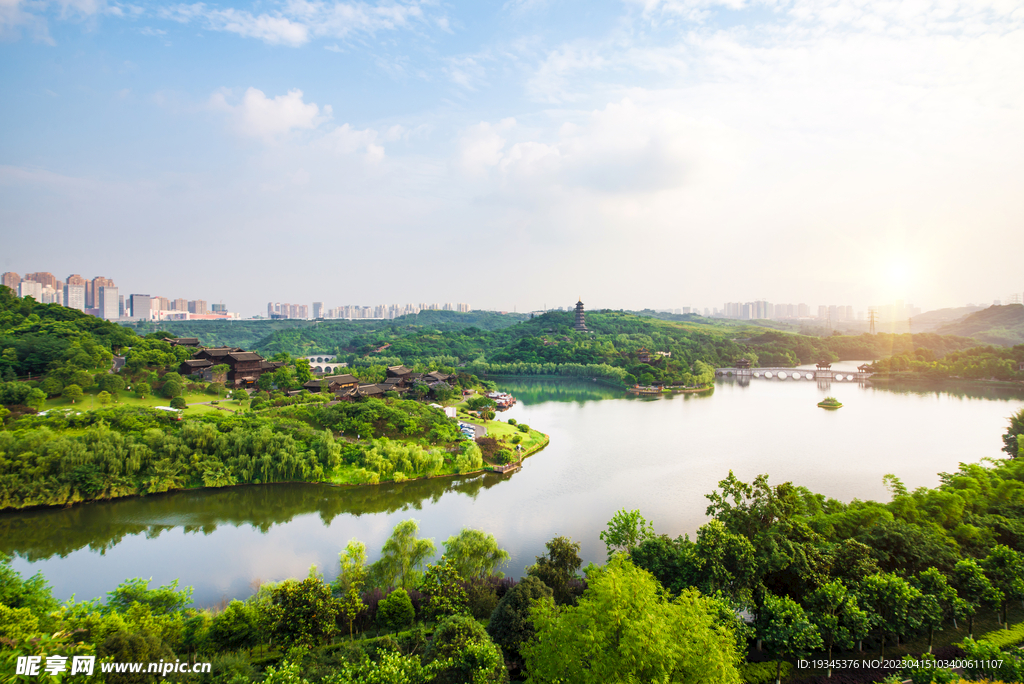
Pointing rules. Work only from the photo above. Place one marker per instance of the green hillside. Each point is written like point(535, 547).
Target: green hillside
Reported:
point(1001, 325)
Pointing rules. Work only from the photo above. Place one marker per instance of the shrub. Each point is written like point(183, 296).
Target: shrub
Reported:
point(763, 673)
point(511, 421)
point(395, 611)
point(178, 403)
point(523, 427)
point(1005, 637)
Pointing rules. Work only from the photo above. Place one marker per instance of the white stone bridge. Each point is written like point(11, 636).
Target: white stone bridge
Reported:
point(795, 373)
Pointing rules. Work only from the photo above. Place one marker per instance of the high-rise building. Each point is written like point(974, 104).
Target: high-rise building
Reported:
point(463, 307)
point(219, 308)
point(120, 306)
point(30, 288)
point(75, 279)
point(93, 290)
point(849, 313)
point(140, 307)
point(109, 301)
point(161, 304)
point(197, 306)
point(318, 309)
point(74, 296)
point(12, 280)
point(43, 279)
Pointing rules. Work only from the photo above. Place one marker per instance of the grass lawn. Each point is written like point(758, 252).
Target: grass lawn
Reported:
point(89, 403)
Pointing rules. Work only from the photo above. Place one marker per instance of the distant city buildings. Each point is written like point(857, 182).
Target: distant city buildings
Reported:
point(356, 312)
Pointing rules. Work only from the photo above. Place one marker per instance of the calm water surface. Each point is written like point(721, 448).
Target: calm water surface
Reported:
point(607, 451)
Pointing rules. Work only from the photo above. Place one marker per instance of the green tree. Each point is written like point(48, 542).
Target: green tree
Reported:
point(163, 600)
point(72, 392)
point(1004, 568)
point(889, 600)
point(445, 591)
point(785, 631)
point(234, 628)
point(217, 388)
point(174, 386)
point(932, 582)
point(838, 618)
point(111, 383)
point(626, 627)
point(463, 652)
point(240, 395)
point(36, 399)
point(303, 373)
point(83, 379)
point(395, 611)
point(403, 554)
point(558, 568)
point(305, 613)
point(142, 389)
point(178, 403)
point(52, 386)
point(103, 398)
point(511, 626)
point(349, 583)
point(474, 553)
point(626, 530)
point(284, 378)
point(975, 589)
point(1015, 428)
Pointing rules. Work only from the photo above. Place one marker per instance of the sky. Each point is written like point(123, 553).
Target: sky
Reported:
point(518, 154)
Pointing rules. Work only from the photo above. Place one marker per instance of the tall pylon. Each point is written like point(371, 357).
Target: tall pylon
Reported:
point(873, 318)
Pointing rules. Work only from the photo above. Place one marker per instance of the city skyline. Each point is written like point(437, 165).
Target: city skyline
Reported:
point(163, 308)
point(657, 151)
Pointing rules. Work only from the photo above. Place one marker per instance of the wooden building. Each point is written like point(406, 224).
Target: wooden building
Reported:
point(245, 367)
point(335, 383)
point(194, 366)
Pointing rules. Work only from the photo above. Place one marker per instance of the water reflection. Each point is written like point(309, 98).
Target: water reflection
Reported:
point(101, 526)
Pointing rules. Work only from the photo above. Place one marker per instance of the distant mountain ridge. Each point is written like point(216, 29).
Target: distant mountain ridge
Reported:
point(1001, 325)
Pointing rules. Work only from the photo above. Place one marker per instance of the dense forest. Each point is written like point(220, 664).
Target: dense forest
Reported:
point(547, 344)
point(777, 575)
point(54, 356)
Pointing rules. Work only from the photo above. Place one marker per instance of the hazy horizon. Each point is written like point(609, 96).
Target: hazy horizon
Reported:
point(643, 153)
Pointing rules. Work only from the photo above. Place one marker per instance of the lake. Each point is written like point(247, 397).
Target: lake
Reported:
point(608, 451)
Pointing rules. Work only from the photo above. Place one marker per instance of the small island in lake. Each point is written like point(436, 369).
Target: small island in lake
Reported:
point(830, 403)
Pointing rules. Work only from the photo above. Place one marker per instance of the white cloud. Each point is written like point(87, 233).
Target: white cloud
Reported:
point(299, 21)
point(262, 117)
point(480, 146)
point(346, 140)
point(272, 29)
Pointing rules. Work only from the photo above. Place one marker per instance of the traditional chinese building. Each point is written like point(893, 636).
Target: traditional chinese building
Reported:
point(581, 324)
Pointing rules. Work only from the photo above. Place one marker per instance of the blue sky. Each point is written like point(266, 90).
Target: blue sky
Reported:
point(660, 153)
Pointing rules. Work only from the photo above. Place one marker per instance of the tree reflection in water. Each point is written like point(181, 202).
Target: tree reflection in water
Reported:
point(43, 533)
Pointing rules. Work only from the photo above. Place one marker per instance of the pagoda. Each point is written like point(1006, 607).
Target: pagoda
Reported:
point(581, 325)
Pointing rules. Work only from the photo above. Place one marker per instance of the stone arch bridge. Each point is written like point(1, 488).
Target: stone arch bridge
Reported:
point(795, 374)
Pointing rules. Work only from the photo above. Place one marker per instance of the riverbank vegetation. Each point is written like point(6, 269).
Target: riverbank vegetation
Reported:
point(778, 574)
point(974, 364)
point(100, 436)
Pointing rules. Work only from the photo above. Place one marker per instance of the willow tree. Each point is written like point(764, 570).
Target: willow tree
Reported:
point(627, 627)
